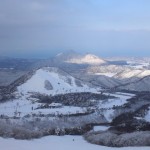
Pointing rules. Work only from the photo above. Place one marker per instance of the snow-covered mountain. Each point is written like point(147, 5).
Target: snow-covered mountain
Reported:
point(79, 91)
point(105, 73)
point(141, 84)
point(138, 73)
point(67, 55)
point(51, 81)
point(87, 59)
point(102, 80)
point(90, 68)
point(74, 57)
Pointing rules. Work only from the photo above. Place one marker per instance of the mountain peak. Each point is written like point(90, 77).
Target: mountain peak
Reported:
point(51, 80)
point(73, 57)
point(87, 59)
point(92, 59)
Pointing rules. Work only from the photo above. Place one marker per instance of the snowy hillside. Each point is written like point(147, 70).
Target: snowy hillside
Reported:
point(137, 73)
point(142, 84)
point(85, 94)
point(125, 77)
point(52, 81)
point(99, 79)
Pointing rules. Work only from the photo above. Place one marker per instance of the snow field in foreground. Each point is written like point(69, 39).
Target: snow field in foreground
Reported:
point(57, 143)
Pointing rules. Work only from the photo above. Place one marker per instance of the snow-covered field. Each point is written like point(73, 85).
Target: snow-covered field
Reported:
point(107, 105)
point(57, 143)
point(25, 107)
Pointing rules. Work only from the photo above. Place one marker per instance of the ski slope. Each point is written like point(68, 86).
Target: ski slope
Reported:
point(57, 143)
point(58, 82)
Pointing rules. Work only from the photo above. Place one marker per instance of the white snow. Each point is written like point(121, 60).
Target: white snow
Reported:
point(100, 128)
point(138, 65)
point(25, 107)
point(87, 59)
point(147, 117)
point(36, 84)
point(57, 143)
point(128, 74)
point(109, 74)
point(64, 110)
point(139, 73)
point(58, 81)
point(108, 105)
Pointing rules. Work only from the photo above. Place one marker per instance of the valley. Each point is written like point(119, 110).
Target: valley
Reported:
point(78, 95)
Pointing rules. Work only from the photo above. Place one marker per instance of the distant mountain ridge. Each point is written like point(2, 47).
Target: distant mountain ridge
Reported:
point(87, 67)
point(73, 57)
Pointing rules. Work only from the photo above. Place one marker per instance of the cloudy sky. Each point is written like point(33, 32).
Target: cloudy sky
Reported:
point(41, 28)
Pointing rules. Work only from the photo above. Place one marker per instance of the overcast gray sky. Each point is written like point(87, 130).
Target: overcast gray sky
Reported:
point(41, 28)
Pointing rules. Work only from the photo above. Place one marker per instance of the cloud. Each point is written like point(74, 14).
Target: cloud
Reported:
point(36, 26)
